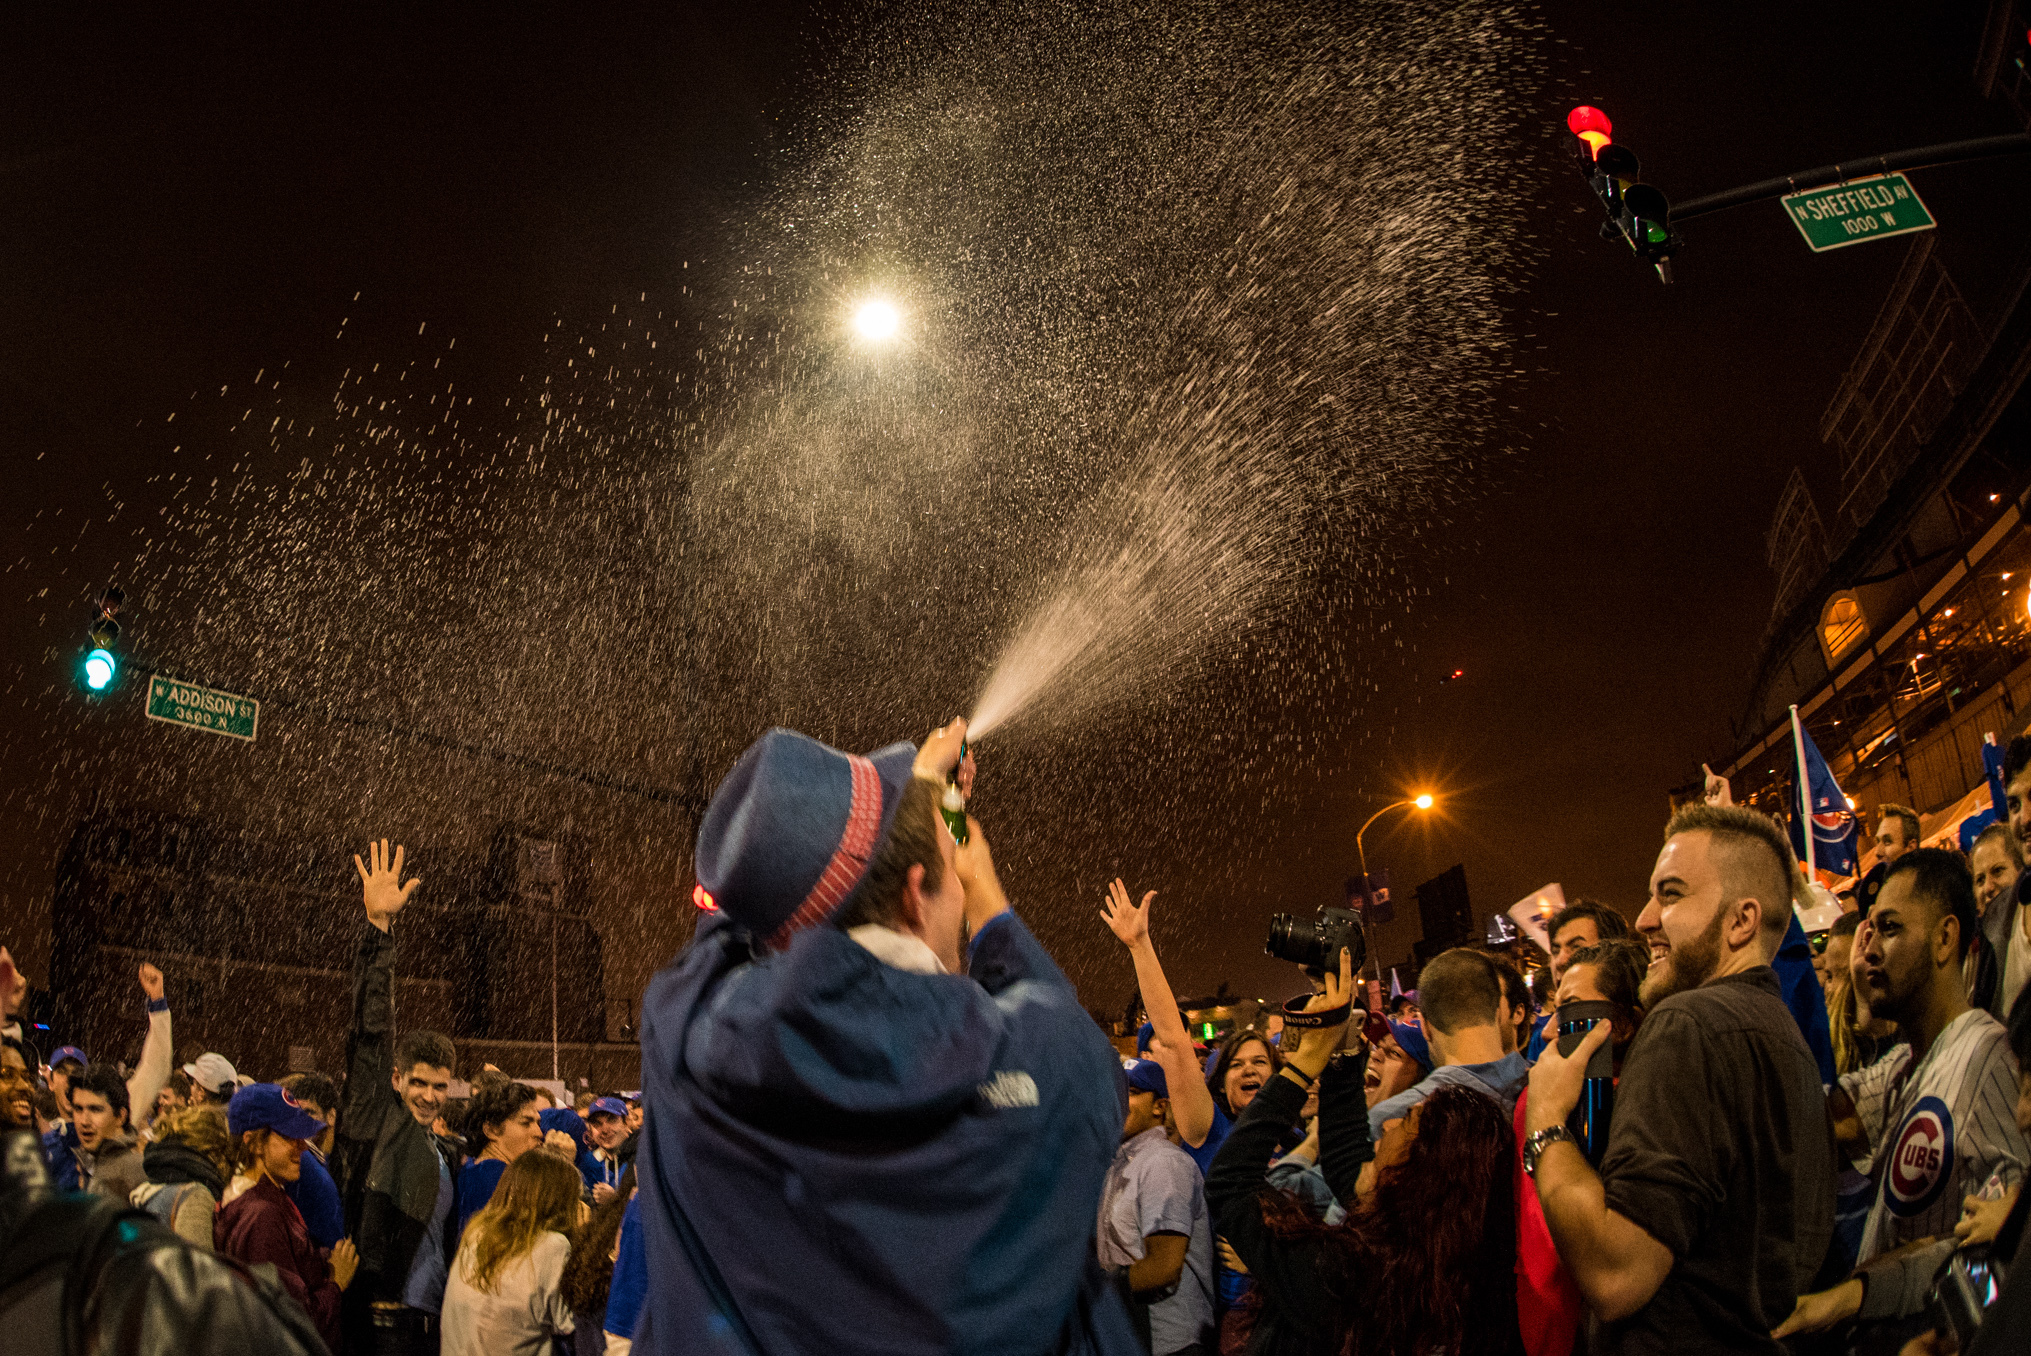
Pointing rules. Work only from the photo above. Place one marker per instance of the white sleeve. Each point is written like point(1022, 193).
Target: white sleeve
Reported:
point(152, 1075)
point(1867, 1088)
point(553, 1312)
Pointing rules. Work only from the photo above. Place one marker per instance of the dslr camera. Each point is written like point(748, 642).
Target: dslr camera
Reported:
point(1315, 943)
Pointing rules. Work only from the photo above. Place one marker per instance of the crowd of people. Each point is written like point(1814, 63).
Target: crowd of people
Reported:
point(874, 1118)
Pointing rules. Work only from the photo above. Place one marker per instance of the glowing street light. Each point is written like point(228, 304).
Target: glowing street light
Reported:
point(1422, 802)
point(877, 320)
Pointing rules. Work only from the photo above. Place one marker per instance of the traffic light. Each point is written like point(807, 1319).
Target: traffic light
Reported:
point(102, 663)
point(1638, 213)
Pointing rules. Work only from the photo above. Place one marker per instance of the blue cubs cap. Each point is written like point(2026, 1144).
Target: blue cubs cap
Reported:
point(794, 827)
point(1412, 1042)
point(269, 1106)
point(1146, 1075)
point(611, 1106)
point(64, 1052)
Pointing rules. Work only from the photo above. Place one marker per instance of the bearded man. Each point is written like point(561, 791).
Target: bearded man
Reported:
point(1704, 1222)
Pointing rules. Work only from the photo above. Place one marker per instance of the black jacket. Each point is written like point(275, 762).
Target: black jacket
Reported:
point(384, 1161)
point(1299, 1317)
point(81, 1275)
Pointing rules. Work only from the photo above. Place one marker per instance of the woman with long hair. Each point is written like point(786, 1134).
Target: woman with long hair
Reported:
point(1245, 1063)
point(505, 1292)
point(261, 1224)
point(589, 1275)
point(1423, 1262)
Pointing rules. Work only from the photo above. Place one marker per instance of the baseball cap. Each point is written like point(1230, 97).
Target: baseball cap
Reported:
point(611, 1106)
point(1145, 1075)
point(212, 1072)
point(64, 1052)
point(1412, 1042)
point(269, 1106)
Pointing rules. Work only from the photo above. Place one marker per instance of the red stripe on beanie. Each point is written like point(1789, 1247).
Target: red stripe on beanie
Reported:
point(849, 861)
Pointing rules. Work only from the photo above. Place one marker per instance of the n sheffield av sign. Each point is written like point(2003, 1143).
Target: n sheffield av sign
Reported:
point(1861, 209)
point(202, 708)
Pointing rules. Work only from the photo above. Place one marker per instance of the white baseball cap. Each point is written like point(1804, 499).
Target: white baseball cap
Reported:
point(212, 1072)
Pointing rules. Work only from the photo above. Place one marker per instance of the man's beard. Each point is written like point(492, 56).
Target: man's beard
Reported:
point(1687, 966)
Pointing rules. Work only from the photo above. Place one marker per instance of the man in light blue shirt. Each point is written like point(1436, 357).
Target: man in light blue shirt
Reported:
point(1471, 1028)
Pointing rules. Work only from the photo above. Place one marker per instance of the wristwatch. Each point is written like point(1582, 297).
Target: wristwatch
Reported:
point(1539, 1141)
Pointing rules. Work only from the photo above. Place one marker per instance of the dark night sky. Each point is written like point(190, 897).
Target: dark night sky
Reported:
point(186, 201)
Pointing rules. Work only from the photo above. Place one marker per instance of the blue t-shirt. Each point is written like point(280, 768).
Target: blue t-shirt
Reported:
point(425, 1286)
point(316, 1198)
point(476, 1183)
point(595, 1170)
point(631, 1274)
point(1223, 1125)
point(59, 1146)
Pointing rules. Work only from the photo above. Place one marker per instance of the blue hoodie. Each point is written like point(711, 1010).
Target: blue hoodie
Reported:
point(875, 1162)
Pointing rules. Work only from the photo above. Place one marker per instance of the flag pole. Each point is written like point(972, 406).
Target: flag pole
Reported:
point(1804, 799)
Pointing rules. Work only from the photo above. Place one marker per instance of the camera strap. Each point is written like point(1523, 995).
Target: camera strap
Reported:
point(1295, 1016)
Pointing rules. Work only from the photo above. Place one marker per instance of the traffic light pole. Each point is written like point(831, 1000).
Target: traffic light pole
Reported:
point(1918, 157)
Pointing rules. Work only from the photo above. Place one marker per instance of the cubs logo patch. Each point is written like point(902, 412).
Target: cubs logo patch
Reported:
point(1921, 1159)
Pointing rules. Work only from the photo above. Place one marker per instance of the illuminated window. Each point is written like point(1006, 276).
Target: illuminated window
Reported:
point(1841, 626)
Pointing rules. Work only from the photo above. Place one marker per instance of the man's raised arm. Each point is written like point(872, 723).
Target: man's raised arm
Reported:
point(1191, 1099)
point(157, 1052)
point(370, 1093)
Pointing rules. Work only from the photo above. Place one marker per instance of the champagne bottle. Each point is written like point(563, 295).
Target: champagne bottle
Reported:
point(952, 805)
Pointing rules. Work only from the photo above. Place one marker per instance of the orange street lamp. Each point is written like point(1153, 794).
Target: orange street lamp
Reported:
point(1422, 802)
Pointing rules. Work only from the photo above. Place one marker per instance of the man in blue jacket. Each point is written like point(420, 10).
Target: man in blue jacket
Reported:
point(852, 1146)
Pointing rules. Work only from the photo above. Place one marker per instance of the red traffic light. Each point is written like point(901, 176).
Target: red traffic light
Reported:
point(1591, 125)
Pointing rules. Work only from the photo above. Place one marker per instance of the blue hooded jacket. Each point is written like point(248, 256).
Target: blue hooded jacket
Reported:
point(848, 1159)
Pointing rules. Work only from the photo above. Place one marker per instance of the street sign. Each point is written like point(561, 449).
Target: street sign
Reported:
point(202, 708)
point(1861, 209)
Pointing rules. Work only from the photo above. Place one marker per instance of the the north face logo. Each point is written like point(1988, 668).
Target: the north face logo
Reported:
point(1009, 1089)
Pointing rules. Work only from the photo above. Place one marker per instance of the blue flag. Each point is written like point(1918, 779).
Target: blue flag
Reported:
point(1997, 813)
point(1992, 764)
point(1833, 824)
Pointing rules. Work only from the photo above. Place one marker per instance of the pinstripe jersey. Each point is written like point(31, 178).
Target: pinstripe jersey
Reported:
point(1936, 1131)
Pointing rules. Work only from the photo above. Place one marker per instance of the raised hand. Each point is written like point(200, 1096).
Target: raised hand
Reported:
point(1717, 790)
point(560, 1144)
point(974, 861)
point(151, 981)
point(13, 984)
point(1319, 1044)
point(940, 752)
point(381, 883)
point(1126, 921)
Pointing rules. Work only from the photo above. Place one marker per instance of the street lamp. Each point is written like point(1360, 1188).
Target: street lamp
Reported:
point(877, 320)
point(1422, 802)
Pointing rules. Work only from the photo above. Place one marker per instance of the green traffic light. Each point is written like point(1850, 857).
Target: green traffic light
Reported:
point(100, 669)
